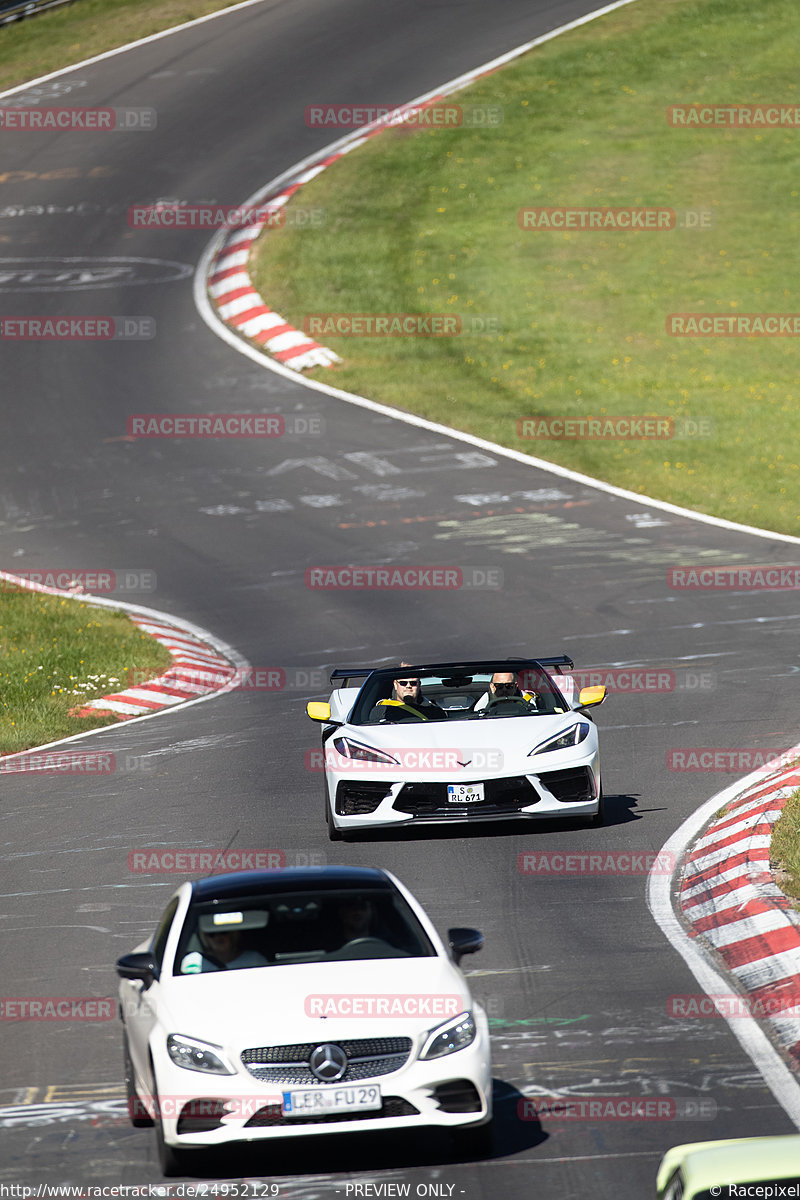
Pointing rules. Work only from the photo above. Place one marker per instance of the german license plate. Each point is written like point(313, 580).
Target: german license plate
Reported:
point(311, 1102)
point(464, 793)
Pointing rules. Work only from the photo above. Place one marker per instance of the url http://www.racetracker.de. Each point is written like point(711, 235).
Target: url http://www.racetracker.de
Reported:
point(251, 1189)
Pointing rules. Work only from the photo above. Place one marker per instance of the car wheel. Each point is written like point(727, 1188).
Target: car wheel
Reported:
point(599, 817)
point(476, 1141)
point(171, 1160)
point(334, 834)
point(140, 1118)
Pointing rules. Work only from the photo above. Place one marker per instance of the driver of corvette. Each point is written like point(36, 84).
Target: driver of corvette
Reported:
point(407, 701)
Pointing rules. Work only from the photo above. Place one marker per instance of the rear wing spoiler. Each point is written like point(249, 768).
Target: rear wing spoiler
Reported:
point(561, 662)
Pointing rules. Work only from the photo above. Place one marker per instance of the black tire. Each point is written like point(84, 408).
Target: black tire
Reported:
point(334, 834)
point(474, 1141)
point(139, 1116)
point(172, 1162)
point(599, 817)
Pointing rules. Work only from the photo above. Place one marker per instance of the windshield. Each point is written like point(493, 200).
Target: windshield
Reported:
point(457, 697)
point(300, 927)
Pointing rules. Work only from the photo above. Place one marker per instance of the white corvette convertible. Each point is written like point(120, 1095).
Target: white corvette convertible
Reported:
point(465, 741)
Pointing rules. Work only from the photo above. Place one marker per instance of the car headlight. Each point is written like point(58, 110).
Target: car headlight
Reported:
point(347, 748)
point(197, 1056)
point(563, 741)
point(453, 1035)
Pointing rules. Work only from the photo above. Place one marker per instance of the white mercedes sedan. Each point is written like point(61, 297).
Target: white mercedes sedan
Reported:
point(278, 1004)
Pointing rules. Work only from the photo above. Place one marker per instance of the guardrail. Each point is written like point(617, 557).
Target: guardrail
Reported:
point(15, 10)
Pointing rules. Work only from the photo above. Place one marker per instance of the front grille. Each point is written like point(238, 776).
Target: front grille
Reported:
point(358, 798)
point(367, 1059)
point(392, 1106)
point(573, 786)
point(457, 1096)
point(501, 796)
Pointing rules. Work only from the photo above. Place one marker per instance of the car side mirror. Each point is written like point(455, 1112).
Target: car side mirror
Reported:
point(318, 710)
point(464, 941)
point(138, 966)
point(591, 695)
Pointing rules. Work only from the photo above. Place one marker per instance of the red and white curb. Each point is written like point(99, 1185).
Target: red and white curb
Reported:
point(730, 902)
point(196, 670)
point(202, 666)
point(242, 308)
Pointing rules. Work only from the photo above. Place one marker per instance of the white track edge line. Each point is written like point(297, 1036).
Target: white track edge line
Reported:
point(783, 1084)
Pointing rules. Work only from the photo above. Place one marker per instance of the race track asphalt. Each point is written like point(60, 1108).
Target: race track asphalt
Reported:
point(575, 974)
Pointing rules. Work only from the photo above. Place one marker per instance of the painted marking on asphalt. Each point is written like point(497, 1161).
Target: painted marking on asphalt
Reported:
point(84, 274)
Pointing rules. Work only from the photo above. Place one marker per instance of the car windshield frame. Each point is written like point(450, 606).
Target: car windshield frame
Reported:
point(457, 688)
point(303, 926)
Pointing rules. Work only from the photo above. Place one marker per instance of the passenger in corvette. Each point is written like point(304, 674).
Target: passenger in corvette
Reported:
point(223, 949)
point(503, 686)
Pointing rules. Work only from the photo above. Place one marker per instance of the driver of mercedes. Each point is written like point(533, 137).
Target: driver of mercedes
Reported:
point(355, 918)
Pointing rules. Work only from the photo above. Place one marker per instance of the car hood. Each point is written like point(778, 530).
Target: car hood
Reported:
point(505, 734)
point(314, 1001)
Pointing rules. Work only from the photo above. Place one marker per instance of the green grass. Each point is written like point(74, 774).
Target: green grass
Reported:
point(54, 655)
point(426, 221)
point(784, 847)
point(40, 44)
